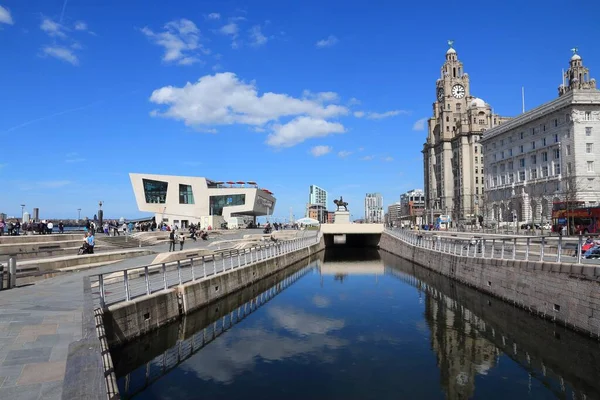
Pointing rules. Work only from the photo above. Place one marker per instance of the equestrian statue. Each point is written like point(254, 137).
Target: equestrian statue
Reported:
point(340, 203)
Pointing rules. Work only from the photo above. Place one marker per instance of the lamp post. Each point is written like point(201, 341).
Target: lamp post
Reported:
point(22, 211)
point(78, 214)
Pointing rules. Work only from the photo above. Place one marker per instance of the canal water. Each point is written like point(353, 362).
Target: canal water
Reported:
point(360, 325)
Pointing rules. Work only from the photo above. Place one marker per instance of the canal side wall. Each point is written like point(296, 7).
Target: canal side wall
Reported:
point(128, 320)
point(562, 292)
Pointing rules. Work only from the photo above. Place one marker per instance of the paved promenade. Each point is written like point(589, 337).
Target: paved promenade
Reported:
point(39, 321)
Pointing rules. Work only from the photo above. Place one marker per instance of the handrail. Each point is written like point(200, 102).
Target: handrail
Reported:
point(491, 247)
point(126, 284)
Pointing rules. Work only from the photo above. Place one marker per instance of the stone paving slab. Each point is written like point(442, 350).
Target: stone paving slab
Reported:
point(38, 322)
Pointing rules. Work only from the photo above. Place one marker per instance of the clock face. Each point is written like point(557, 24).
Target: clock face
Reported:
point(440, 94)
point(458, 91)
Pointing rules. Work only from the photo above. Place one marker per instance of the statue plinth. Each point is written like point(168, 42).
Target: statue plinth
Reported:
point(341, 217)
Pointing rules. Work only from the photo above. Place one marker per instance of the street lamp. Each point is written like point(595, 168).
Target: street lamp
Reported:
point(22, 211)
point(78, 214)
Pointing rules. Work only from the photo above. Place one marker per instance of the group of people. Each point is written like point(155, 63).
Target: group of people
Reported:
point(15, 228)
point(175, 237)
point(89, 241)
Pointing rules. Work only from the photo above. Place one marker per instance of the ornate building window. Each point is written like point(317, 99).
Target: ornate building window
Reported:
point(588, 131)
point(589, 148)
point(587, 116)
point(590, 166)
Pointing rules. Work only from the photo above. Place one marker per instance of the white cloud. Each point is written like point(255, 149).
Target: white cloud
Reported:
point(231, 29)
point(419, 124)
point(5, 17)
point(376, 115)
point(319, 151)
point(367, 158)
point(256, 36)
point(214, 16)
point(222, 99)
point(61, 53)
point(80, 26)
point(344, 153)
point(330, 41)
point(323, 97)
point(300, 129)
point(321, 301)
point(3, 165)
point(353, 101)
point(388, 159)
point(181, 41)
point(217, 67)
point(53, 29)
point(53, 184)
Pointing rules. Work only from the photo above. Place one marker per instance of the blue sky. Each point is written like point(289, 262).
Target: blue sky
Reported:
point(284, 93)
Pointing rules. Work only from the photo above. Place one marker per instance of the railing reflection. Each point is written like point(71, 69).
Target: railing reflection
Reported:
point(135, 381)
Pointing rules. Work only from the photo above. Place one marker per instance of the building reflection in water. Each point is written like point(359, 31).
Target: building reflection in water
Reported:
point(461, 351)
point(471, 344)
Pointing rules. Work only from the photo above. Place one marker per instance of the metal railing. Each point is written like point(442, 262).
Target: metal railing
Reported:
point(529, 248)
point(124, 285)
point(153, 370)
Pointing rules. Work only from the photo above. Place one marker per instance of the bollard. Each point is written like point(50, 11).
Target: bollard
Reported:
point(12, 272)
point(1, 276)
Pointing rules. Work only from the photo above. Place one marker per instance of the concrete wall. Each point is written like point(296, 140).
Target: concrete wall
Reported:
point(567, 293)
point(128, 320)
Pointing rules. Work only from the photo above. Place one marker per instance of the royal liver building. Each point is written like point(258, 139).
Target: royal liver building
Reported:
point(452, 155)
point(549, 154)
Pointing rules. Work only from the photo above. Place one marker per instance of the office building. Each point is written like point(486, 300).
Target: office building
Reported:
point(317, 204)
point(413, 206)
point(374, 208)
point(452, 156)
point(545, 155)
point(182, 200)
point(394, 214)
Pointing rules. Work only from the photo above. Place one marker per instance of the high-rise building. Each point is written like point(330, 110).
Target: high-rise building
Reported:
point(545, 155)
point(317, 204)
point(374, 208)
point(452, 155)
point(394, 213)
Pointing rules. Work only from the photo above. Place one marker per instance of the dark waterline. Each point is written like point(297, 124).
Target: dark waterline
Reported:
point(360, 325)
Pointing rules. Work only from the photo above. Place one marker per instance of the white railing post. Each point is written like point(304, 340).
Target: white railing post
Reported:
point(231, 259)
point(559, 249)
point(542, 244)
point(126, 282)
point(514, 255)
point(579, 251)
point(164, 271)
point(204, 266)
point(147, 278)
point(493, 247)
point(102, 292)
point(179, 271)
point(502, 250)
point(527, 249)
point(483, 248)
point(245, 257)
point(192, 268)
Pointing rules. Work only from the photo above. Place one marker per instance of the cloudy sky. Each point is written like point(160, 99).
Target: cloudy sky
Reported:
point(287, 94)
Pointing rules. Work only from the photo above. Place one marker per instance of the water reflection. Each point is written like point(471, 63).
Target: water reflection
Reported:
point(391, 330)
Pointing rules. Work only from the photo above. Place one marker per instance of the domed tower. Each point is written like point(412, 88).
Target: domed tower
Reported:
point(577, 76)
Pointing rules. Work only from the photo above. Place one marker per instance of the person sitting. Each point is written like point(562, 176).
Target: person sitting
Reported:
point(90, 242)
point(203, 235)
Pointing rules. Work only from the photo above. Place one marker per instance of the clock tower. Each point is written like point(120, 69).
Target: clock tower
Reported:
point(452, 156)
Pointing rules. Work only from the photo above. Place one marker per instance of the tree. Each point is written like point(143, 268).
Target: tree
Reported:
point(572, 187)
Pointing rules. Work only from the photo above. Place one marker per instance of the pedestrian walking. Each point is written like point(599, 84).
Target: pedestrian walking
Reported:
point(172, 241)
point(181, 242)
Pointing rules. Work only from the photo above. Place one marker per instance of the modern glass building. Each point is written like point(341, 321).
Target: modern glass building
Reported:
point(182, 200)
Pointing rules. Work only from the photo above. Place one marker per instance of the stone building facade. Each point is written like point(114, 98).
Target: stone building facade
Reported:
point(549, 154)
point(452, 155)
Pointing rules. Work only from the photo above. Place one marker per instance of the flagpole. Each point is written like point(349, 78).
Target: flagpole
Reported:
point(523, 97)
